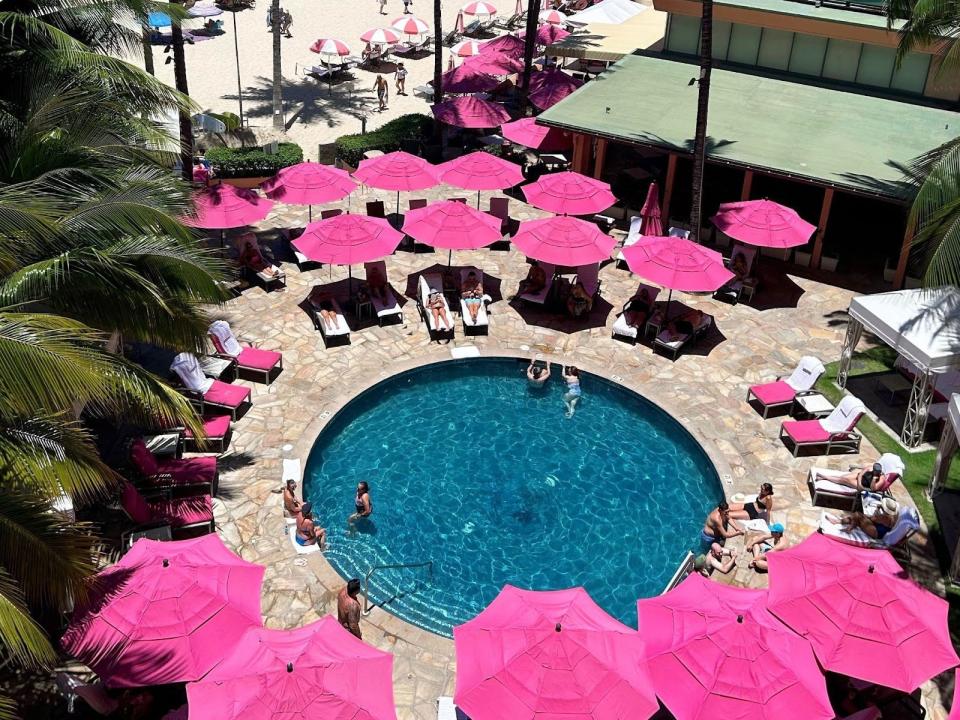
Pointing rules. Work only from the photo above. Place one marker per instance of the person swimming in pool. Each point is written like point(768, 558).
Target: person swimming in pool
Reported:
point(537, 376)
point(574, 393)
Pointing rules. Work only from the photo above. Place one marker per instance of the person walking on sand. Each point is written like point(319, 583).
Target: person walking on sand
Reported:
point(383, 7)
point(348, 607)
point(400, 76)
point(380, 85)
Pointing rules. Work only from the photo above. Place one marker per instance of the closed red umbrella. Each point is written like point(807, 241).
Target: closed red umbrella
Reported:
point(469, 111)
point(309, 183)
point(563, 240)
point(569, 193)
point(480, 171)
point(650, 213)
point(528, 133)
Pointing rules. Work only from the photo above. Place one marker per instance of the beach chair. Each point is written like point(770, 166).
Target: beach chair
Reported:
point(291, 471)
point(735, 290)
point(632, 236)
point(375, 209)
point(620, 326)
point(679, 232)
point(446, 710)
point(838, 430)
point(388, 308)
point(417, 203)
point(173, 472)
point(483, 321)
point(540, 298)
point(217, 431)
point(91, 691)
point(271, 276)
point(896, 540)
point(825, 491)
point(423, 91)
point(338, 335)
point(424, 284)
point(326, 214)
point(181, 513)
point(256, 364)
point(589, 277)
point(670, 345)
point(500, 208)
point(303, 262)
point(782, 392)
point(206, 393)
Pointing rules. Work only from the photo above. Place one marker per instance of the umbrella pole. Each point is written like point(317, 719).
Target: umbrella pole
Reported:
point(449, 256)
point(310, 210)
point(236, 55)
point(666, 314)
point(478, 199)
point(398, 206)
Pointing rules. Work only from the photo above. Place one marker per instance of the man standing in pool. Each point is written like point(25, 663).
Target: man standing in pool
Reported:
point(362, 504)
point(348, 607)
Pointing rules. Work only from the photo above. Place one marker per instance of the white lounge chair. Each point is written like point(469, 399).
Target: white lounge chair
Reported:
point(209, 393)
point(781, 393)
point(837, 430)
point(483, 321)
point(270, 277)
point(673, 345)
point(632, 236)
point(620, 326)
point(301, 549)
point(589, 276)
point(823, 488)
point(340, 333)
point(424, 285)
point(385, 308)
point(734, 291)
point(908, 522)
point(541, 297)
point(446, 710)
point(291, 471)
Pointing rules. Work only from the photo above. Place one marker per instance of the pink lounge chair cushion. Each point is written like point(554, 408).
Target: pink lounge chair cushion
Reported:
point(190, 471)
point(806, 431)
point(215, 427)
point(258, 359)
point(775, 393)
point(145, 461)
point(231, 396)
point(134, 505)
point(184, 511)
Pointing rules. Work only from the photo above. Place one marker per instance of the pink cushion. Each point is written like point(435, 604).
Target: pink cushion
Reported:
point(214, 427)
point(805, 431)
point(191, 471)
point(774, 393)
point(145, 461)
point(184, 511)
point(134, 505)
point(231, 396)
point(258, 359)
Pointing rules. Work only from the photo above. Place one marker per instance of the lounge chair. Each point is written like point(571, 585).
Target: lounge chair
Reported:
point(822, 488)
point(338, 335)
point(423, 91)
point(375, 209)
point(91, 691)
point(483, 321)
point(835, 431)
point(734, 291)
point(668, 344)
point(782, 392)
point(417, 203)
point(207, 393)
point(540, 297)
point(217, 431)
point(500, 208)
point(908, 522)
point(589, 277)
point(446, 710)
point(327, 214)
point(188, 512)
point(271, 277)
point(435, 330)
point(632, 236)
point(303, 262)
point(387, 308)
point(620, 326)
point(679, 232)
point(257, 364)
point(174, 472)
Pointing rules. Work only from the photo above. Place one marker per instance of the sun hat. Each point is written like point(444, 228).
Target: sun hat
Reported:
point(890, 506)
point(738, 497)
point(777, 528)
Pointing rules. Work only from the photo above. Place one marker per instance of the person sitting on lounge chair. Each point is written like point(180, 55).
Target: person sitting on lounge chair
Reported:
point(870, 478)
point(376, 282)
point(683, 326)
point(638, 308)
point(537, 376)
point(762, 543)
point(290, 503)
point(716, 558)
point(436, 306)
point(307, 531)
point(740, 269)
point(321, 301)
point(754, 509)
point(471, 292)
point(535, 281)
point(719, 526)
point(579, 301)
point(875, 526)
point(250, 257)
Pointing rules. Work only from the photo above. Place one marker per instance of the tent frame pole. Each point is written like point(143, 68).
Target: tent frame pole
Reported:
point(947, 448)
point(854, 332)
point(918, 407)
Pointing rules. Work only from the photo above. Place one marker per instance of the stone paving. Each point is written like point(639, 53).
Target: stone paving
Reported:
point(704, 389)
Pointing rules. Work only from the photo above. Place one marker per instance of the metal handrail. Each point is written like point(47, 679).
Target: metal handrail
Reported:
point(686, 568)
point(367, 607)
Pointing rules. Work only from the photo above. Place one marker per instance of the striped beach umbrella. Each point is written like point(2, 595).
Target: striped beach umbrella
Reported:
point(553, 17)
point(330, 47)
point(466, 48)
point(410, 25)
point(381, 36)
point(479, 8)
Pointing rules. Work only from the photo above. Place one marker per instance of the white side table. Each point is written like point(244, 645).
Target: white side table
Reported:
point(813, 405)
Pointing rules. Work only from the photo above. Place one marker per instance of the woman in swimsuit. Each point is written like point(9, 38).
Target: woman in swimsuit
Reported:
point(638, 309)
point(579, 302)
point(472, 294)
point(435, 305)
point(573, 394)
point(761, 507)
point(362, 504)
point(322, 301)
point(307, 532)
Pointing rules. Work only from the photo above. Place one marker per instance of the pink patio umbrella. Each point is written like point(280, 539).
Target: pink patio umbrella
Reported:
point(714, 651)
point(861, 613)
point(549, 92)
point(381, 36)
point(465, 48)
point(526, 132)
point(763, 223)
point(309, 183)
point(469, 111)
point(955, 707)
point(552, 76)
point(569, 193)
point(166, 612)
point(317, 671)
point(348, 239)
point(223, 206)
point(550, 34)
point(547, 656)
point(480, 171)
point(410, 25)
point(481, 8)
point(397, 171)
point(452, 225)
point(563, 240)
point(495, 63)
point(677, 264)
point(650, 213)
point(507, 44)
point(466, 79)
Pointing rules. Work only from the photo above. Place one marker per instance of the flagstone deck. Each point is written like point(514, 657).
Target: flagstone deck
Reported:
point(704, 389)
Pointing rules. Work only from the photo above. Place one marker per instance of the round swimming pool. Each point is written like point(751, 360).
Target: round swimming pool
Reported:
point(484, 476)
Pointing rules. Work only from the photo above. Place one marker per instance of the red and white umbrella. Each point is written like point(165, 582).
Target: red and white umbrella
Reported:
point(466, 48)
point(330, 47)
point(381, 36)
point(479, 8)
point(410, 25)
point(553, 17)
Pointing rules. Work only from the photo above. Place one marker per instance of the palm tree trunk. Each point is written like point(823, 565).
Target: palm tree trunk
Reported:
point(147, 52)
point(278, 123)
point(703, 102)
point(180, 80)
point(437, 50)
point(530, 43)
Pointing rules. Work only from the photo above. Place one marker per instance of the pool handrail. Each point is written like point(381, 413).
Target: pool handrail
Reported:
point(686, 567)
point(367, 607)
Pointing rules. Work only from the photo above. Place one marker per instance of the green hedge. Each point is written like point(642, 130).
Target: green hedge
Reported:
point(389, 137)
point(252, 162)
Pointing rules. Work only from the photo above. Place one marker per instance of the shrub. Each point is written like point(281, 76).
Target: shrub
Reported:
point(231, 162)
point(394, 135)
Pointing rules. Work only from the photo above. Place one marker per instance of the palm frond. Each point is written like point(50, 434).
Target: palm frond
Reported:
point(22, 637)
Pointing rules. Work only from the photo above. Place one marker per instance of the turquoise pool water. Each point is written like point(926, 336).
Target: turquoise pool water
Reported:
point(471, 469)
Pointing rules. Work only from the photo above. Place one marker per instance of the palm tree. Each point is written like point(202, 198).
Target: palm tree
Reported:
point(703, 102)
point(180, 81)
point(437, 52)
point(278, 123)
point(530, 41)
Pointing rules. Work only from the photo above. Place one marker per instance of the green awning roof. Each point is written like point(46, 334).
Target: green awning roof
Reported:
point(845, 16)
point(825, 136)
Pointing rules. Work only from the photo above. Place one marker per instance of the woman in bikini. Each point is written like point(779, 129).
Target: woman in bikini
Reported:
point(362, 503)
point(759, 508)
point(573, 394)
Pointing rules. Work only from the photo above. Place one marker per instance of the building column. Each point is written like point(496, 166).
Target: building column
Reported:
point(821, 227)
point(668, 187)
point(901, 274)
point(747, 185)
point(581, 154)
point(600, 157)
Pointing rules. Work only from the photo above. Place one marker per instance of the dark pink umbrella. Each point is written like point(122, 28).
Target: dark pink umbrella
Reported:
point(864, 617)
point(715, 652)
point(563, 240)
point(317, 671)
point(495, 63)
point(552, 76)
point(549, 87)
point(480, 171)
point(528, 133)
point(650, 213)
point(507, 44)
point(569, 193)
point(166, 612)
point(763, 223)
point(397, 171)
point(223, 206)
point(469, 111)
point(348, 239)
point(466, 79)
point(677, 264)
point(309, 183)
point(452, 225)
point(549, 34)
point(550, 655)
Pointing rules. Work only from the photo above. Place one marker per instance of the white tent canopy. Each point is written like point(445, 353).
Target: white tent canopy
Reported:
point(608, 12)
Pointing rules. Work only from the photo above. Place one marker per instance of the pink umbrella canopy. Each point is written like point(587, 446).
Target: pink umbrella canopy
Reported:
point(553, 76)
point(330, 46)
point(452, 225)
point(507, 44)
point(480, 171)
point(469, 111)
point(955, 707)
point(548, 95)
point(861, 613)
point(381, 36)
point(563, 240)
point(223, 206)
point(549, 34)
point(763, 223)
point(677, 264)
point(466, 79)
point(397, 171)
point(714, 651)
point(479, 8)
point(309, 183)
point(348, 239)
point(569, 193)
point(410, 25)
point(552, 17)
point(495, 63)
point(317, 671)
point(550, 655)
point(526, 132)
point(650, 212)
point(166, 612)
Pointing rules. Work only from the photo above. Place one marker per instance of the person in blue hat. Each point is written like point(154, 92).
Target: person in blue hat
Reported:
point(762, 543)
